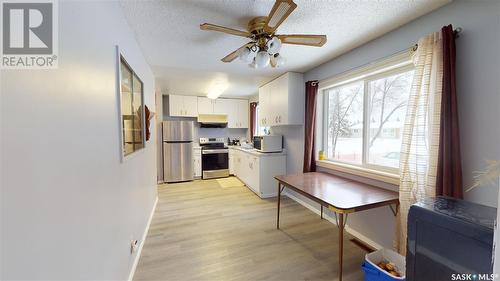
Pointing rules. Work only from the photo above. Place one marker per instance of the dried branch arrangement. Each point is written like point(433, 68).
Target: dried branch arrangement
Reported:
point(489, 176)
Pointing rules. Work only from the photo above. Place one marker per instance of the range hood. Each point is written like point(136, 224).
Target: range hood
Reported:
point(212, 120)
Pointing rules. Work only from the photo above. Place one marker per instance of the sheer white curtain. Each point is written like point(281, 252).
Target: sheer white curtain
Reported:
point(420, 146)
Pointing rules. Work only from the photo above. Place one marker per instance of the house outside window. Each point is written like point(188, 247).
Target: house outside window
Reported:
point(361, 116)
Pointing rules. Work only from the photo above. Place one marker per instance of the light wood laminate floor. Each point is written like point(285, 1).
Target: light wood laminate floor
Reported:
point(202, 231)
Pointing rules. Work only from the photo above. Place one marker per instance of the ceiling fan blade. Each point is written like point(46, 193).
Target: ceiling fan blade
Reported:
point(213, 27)
point(232, 56)
point(299, 39)
point(280, 11)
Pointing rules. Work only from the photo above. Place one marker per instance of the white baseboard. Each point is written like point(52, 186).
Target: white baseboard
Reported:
point(143, 240)
point(331, 219)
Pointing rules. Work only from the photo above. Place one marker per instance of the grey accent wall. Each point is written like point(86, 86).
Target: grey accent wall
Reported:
point(69, 207)
point(478, 71)
point(293, 142)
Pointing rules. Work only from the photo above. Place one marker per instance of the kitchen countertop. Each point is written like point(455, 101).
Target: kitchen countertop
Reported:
point(255, 152)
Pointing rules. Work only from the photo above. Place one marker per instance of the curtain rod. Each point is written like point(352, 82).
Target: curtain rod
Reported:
point(413, 48)
point(456, 33)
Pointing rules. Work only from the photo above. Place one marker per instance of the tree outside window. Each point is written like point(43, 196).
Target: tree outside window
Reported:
point(365, 119)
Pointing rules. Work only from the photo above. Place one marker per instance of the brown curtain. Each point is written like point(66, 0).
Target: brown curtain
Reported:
point(253, 119)
point(449, 174)
point(310, 126)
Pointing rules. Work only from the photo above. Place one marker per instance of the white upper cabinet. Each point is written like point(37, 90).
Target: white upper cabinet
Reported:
point(264, 103)
point(175, 105)
point(222, 106)
point(210, 106)
point(191, 106)
point(237, 110)
point(183, 106)
point(281, 101)
point(205, 105)
point(244, 114)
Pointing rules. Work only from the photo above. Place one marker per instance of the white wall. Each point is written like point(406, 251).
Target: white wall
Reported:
point(69, 207)
point(477, 88)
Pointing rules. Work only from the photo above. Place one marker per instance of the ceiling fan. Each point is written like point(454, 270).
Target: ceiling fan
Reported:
point(265, 44)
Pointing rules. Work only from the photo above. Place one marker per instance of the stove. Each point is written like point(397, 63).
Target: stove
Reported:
point(214, 158)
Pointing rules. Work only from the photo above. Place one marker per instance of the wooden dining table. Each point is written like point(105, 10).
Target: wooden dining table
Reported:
point(340, 195)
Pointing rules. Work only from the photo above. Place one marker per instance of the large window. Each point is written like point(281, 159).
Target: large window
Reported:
point(363, 117)
point(132, 109)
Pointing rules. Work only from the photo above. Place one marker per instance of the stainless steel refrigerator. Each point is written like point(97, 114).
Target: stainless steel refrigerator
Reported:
point(178, 151)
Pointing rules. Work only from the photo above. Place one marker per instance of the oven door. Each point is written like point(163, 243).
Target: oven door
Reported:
point(214, 163)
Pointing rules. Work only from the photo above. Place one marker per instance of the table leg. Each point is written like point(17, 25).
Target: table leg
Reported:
point(321, 211)
point(341, 243)
point(278, 212)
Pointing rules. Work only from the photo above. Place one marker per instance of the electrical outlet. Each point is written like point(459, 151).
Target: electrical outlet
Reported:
point(133, 246)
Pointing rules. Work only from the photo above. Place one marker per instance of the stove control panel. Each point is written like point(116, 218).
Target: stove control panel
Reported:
point(211, 140)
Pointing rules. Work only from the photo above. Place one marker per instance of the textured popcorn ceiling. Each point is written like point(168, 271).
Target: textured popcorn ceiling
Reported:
point(186, 60)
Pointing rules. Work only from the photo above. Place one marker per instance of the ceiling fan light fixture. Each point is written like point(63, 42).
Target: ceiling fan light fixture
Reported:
point(262, 59)
point(265, 45)
point(280, 60)
point(273, 45)
point(247, 55)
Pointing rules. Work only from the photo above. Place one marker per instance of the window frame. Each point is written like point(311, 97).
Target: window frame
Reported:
point(121, 60)
point(394, 65)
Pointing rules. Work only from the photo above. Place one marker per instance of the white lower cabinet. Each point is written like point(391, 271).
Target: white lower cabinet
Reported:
point(258, 171)
point(197, 162)
point(231, 161)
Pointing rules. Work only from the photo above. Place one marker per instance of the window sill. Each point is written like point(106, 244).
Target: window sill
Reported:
point(359, 171)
